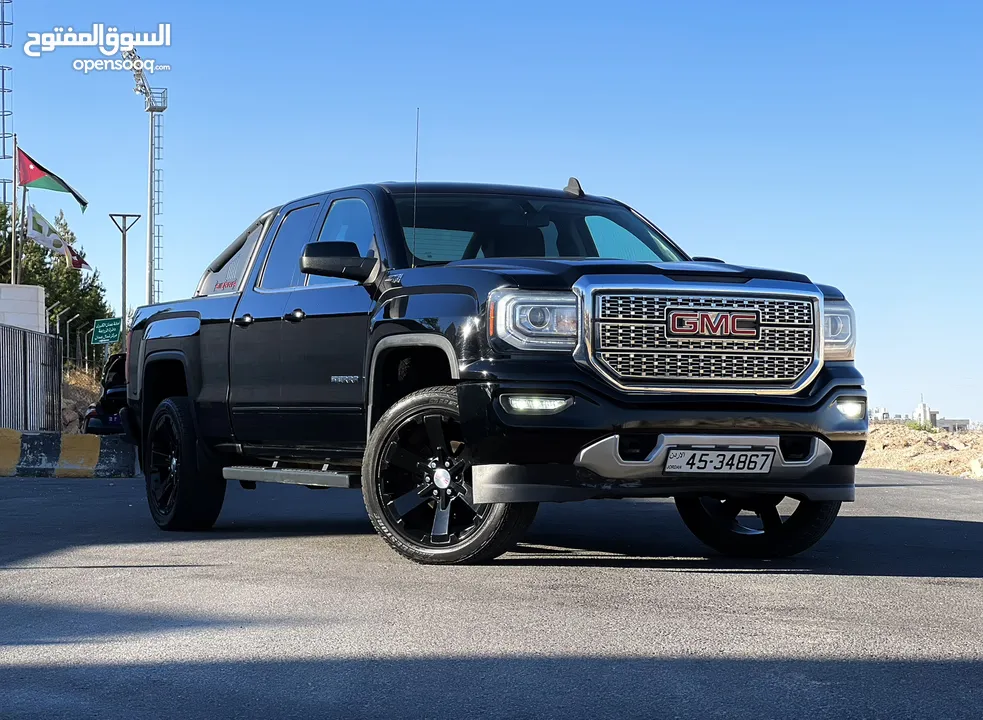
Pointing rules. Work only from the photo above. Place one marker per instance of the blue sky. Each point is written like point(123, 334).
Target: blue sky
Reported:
point(839, 139)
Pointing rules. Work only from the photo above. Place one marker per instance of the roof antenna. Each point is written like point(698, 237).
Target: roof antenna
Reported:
point(573, 187)
point(416, 179)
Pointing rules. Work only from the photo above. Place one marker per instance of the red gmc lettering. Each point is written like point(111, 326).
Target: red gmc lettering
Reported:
point(714, 324)
point(685, 323)
point(749, 321)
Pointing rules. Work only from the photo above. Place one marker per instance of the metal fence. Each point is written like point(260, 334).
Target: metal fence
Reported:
point(30, 380)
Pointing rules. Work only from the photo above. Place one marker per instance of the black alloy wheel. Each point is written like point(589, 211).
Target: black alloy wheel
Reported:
point(417, 486)
point(425, 482)
point(184, 490)
point(759, 525)
point(164, 472)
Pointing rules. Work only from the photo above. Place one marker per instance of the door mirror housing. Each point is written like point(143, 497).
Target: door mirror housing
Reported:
point(336, 259)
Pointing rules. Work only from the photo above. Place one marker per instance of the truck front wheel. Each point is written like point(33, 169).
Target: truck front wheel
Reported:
point(416, 483)
point(758, 527)
point(182, 495)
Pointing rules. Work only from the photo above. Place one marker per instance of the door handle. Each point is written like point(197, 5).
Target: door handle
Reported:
point(244, 321)
point(295, 316)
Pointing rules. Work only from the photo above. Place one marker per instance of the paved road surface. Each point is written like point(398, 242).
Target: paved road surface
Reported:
point(293, 608)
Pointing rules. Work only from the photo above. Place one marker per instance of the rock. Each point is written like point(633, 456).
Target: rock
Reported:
point(957, 445)
point(976, 467)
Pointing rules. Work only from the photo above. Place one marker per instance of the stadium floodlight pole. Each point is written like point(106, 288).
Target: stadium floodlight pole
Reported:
point(121, 221)
point(68, 336)
point(156, 103)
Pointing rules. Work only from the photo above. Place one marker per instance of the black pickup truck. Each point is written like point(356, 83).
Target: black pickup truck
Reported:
point(465, 352)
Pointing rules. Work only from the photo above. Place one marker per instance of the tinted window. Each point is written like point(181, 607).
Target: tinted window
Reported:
point(228, 277)
point(348, 220)
point(115, 371)
point(283, 266)
point(614, 241)
point(471, 225)
point(435, 245)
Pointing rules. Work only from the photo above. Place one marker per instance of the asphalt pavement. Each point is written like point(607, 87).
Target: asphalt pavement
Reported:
point(292, 607)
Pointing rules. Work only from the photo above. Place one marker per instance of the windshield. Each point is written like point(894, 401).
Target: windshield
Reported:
point(464, 226)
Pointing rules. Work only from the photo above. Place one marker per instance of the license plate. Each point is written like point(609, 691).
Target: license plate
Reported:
point(720, 461)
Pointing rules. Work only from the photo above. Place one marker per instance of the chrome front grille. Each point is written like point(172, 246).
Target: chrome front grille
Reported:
point(631, 345)
point(774, 311)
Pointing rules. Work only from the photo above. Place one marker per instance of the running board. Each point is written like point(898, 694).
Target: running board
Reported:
point(288, 476)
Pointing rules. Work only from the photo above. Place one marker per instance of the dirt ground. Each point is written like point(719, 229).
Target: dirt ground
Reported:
point(78, 391)
point(896, 447)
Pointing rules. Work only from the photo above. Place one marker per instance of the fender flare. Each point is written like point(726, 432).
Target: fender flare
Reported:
point(157, 356)
point(406, 340)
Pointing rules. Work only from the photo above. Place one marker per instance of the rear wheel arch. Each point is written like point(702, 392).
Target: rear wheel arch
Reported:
point(165, 374)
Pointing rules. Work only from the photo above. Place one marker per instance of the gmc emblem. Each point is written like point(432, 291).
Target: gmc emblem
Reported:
point(712, 323)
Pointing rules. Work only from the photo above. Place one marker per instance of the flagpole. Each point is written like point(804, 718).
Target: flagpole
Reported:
point(13, 221)
point(23, 218)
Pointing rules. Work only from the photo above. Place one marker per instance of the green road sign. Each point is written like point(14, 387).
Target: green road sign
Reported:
point(106, 332)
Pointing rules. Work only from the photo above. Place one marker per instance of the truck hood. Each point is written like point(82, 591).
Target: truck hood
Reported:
point(561, 273)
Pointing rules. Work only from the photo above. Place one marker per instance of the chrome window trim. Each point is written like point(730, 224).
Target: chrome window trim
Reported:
point(587, 288)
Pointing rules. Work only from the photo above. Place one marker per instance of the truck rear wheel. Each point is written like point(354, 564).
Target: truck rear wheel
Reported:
point(756, 527)
point(182, 494)
point(416, 483)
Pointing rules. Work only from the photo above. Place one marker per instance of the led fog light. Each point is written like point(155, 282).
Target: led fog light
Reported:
point(852, 409)
point(535, 404)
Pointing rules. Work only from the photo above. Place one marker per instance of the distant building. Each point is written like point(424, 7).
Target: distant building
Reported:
point(924, 415)
point(953, 424)
point(879, 414)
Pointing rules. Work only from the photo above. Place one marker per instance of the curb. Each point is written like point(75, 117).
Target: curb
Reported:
point(49, 454)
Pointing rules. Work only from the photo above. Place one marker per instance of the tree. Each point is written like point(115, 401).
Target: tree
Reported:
point(4, 244)
point(79, 291)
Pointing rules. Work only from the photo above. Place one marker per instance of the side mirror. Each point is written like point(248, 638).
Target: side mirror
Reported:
point(336, 259)
point(707, 259)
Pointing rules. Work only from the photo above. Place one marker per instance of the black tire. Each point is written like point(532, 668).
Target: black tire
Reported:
point(719, 523)
point(411, 505)
point(181, 493)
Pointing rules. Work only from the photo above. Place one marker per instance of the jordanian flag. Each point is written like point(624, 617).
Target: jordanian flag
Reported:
point(31, 174)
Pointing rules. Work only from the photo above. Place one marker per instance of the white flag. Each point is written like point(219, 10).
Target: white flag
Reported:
point(40, 231)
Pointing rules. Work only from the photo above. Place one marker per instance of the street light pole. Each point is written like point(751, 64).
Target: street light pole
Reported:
point(121, 221)
point(68, 336)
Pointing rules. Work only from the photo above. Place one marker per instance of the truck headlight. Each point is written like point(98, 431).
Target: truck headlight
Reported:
point(534, 321)
point(839, 331)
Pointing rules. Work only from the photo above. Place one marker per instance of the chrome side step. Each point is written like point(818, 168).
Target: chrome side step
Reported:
point(289, 476)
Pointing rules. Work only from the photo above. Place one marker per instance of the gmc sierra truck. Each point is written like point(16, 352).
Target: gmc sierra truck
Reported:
point(465, 352)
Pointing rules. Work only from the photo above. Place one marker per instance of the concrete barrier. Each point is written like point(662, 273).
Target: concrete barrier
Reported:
point(46, 454)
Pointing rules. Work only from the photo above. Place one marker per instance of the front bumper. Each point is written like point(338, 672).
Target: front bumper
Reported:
point(605, 446)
